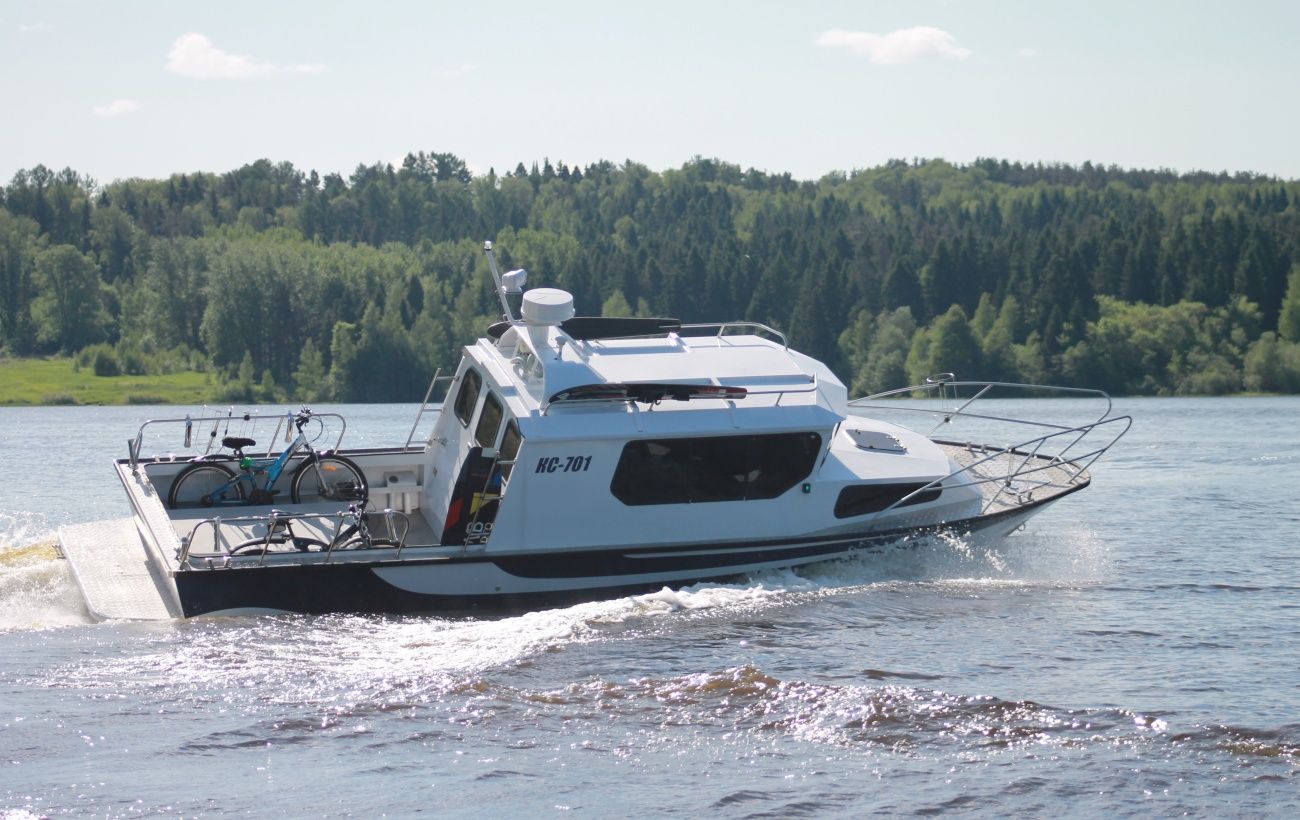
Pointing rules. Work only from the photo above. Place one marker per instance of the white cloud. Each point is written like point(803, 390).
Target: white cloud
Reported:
point(1028, 53)
point(907, 45)
point(33, 28)
point(194, 56)
point(116, 108)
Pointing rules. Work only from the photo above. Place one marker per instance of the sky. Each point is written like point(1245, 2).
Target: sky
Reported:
point(118, 89)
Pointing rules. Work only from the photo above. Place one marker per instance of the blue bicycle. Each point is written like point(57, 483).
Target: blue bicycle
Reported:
point(321, 475)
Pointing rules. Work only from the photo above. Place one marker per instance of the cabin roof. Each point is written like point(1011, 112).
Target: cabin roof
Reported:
point(543, 361)
point(742, 361)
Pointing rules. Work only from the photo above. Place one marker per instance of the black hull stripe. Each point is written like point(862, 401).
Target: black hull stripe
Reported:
point(355, 588)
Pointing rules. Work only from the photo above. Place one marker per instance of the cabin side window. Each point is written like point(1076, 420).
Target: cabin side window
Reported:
point(489, 421)
point(510, 442)
point(861, 499)
point(468, 396)
point(713, 468)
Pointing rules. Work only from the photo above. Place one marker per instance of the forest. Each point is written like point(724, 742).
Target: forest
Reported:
point(286, 285)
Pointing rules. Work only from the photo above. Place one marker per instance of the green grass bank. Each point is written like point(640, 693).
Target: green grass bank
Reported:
point(56, 381)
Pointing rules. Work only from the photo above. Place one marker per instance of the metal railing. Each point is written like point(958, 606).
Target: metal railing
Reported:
point(426, 408)
point(723, 327)
point(245, 424)
point(397, 526)
point(1062, 448)
point(948, 388)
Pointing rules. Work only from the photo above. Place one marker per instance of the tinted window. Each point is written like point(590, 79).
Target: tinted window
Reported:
point(716, 468)
point(868, 498)
point(489, 422)
point(468, 396)
point(509, 448)
point(653, 472)
point(777, 463)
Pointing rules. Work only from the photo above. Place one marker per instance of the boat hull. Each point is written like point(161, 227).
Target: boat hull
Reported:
point(484, 582)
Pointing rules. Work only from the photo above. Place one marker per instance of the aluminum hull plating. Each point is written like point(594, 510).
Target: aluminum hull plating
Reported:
point(524, 581)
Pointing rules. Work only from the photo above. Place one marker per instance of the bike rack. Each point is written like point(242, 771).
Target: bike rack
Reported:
point(246, 423)
point(397, 525)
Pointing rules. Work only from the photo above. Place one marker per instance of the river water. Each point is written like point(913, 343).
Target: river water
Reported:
point(1135, 651)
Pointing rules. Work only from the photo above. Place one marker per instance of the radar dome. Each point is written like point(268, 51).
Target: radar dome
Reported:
point(547, 306)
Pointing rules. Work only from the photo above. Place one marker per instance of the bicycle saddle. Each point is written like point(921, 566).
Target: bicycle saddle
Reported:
point(237, 443)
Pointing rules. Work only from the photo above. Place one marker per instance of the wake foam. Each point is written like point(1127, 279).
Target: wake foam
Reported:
point(349, 661)
point(36, 586)
point(1033, 558)
point(1029, 559)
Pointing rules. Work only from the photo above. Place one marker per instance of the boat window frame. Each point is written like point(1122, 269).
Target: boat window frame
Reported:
point(677, 470)
point(864, 499)
point(510, 424)
point(481, 440)
point(459, 406)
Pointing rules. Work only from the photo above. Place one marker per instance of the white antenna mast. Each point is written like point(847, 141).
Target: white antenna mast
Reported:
point(511, 282)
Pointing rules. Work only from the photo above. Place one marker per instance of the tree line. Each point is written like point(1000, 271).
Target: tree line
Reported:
point(286, 283)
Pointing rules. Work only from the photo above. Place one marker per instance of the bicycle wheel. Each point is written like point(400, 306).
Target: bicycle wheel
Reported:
point(205, 485)
point(256, 546)
point(364, 544)
point(328, 478)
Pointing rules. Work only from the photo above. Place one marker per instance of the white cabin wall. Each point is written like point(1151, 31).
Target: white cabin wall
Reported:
point(546, 510)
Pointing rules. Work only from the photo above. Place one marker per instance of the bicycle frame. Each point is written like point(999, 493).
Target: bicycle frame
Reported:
point(273, 468)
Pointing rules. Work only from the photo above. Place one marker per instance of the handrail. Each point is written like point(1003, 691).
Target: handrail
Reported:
point(247, 421)
point(424, 408)
point(1030, 450)
point(1081, 462)
point(390, 516)
point(723, 326)
point(275, 522)
point(942, 387)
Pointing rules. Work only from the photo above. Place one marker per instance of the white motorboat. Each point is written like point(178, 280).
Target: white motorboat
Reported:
point(574, 458)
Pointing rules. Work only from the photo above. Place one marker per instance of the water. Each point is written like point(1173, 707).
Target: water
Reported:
point(1135, 652)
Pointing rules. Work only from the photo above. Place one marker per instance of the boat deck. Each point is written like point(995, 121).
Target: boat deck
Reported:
point(1008, 479)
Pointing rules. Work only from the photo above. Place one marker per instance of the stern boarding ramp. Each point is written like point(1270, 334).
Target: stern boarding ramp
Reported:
point(1022, 472)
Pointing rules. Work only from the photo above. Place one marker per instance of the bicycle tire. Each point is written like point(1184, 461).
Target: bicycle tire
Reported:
point(363, 544)
point(204, 485)
point(255, 546)
point(328, 478)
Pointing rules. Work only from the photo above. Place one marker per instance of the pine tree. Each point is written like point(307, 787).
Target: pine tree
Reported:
point(1288, 321)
